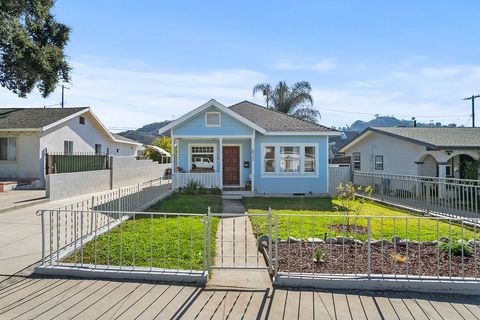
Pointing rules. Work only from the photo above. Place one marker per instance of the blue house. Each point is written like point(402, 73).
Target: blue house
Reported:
point(244, 145)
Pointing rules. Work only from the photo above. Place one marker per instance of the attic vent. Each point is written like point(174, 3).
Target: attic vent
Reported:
point(212, 119)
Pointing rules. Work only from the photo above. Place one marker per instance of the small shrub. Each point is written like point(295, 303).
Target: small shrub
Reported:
point(456, 248)
point(192, 187)
point(399, 258)
point(318, 255)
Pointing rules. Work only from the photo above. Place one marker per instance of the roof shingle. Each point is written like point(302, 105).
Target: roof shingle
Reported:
point(274, 121)
point(33, 118)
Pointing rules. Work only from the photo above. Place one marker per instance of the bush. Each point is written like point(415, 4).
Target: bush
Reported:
point(193, 187)
point(456, 248)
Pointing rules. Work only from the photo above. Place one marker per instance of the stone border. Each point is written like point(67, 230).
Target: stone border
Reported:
point(467, 286)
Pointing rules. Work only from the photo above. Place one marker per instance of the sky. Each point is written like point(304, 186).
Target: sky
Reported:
point(137, 62)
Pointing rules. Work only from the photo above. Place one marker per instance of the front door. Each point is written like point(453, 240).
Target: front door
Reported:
point(231, 165)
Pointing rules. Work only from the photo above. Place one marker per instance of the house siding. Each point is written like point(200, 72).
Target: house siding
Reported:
point(290, 185)
point(26, 165)
point(228, 126)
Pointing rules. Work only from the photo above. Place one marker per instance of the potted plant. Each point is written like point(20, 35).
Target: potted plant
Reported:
point(248, 185)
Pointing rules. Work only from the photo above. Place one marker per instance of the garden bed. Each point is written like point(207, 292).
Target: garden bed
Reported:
point(419, 260)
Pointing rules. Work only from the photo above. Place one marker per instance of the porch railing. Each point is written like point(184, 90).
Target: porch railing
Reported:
point(208, 180)
point(446, 196)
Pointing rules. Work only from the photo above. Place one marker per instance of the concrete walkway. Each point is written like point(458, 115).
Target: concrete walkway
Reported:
point(238, 262)
point(16, 199)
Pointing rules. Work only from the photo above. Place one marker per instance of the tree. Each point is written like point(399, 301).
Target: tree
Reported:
point(296, 101)
point(163, 142)
point(32, 46)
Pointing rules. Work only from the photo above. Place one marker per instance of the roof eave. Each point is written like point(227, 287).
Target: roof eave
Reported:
point(19, 129)
point(303, 133)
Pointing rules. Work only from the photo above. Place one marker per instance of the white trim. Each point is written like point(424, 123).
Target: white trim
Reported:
point(219, 119)
point(252, 160)
point(301, 174)
point(327, 153)
point(300, 133)
point(240, 173)
point(205, 106)
point(190, 145)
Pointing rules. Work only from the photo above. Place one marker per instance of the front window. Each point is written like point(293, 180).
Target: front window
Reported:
point(202, 158)
point(378, 162)
point(8, 148)
point(289, 159)
point(356, 161)
point(67, 147)
point(269, 159)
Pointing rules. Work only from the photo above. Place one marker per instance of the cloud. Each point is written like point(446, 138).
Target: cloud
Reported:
point(132, 96)
point(325, 65)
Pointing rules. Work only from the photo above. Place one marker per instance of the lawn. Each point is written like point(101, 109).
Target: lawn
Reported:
point(162, 241)
point(302, 223)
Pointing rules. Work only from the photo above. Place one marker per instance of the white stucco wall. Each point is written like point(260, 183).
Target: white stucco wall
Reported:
point(128, 171)
point(64, 185)
point(26, 164)
point(399, 156)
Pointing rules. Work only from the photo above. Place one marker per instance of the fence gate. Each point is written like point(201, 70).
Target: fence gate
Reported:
point(239, 241)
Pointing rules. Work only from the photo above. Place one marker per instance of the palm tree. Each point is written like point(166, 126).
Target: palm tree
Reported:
point(296, 101)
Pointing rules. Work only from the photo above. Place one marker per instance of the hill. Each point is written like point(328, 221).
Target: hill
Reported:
point(145, 134)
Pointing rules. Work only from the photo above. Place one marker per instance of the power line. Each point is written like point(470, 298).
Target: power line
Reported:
point(473, 107)
point(374, 114)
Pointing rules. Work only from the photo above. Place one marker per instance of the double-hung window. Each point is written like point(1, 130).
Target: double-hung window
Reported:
point(8, 148)
point(378, 162)
point(289, 160)
point(356, 161)
point(68, 147)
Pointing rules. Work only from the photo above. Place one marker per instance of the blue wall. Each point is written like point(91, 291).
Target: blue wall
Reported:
point(289, 185)
point(196, 126)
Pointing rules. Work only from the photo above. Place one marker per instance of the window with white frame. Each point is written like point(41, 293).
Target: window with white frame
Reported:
point(378, 162)
point(356, 161)
point(8, 148)
point(269, 159)
point(202, 157)
point(212, 119)
point(67, 147)
point(289, 160)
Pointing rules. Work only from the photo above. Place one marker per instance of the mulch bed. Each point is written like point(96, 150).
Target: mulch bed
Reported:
point(349, 228)
point(350, 259)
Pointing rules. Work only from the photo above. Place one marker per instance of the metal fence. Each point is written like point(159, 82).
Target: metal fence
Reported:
point(373, 247)
point(451, 197)
point(67, 228)
point(75, 162)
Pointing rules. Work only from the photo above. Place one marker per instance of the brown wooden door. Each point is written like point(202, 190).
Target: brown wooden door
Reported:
point(231, 166)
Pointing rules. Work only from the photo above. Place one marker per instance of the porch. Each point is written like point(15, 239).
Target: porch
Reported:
point(225, 162)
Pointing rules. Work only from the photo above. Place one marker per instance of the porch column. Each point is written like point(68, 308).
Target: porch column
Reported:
point(252, 160)
point(442, 174)
point(418, 184)
point(172, 154)
point(220, 165)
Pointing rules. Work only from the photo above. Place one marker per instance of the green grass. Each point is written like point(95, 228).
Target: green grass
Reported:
point(180, 203)
point(162, 242)
point(304, 225)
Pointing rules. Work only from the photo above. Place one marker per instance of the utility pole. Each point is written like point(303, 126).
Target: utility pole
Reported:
point(473, 107)
point(63, 95)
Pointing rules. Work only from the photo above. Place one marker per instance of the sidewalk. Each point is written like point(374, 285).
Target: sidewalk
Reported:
point(16, 199)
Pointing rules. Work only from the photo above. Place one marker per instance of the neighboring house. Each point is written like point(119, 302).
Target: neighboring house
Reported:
point(226, 147)
point(433, 152)
point(26, 134)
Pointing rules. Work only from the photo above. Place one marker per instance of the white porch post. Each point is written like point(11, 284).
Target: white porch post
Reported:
point(172, 141)
point(418, 185)
point(442, 174)
point(220, 142)
point(252, 160)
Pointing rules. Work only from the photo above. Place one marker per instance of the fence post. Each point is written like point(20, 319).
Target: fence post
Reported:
point(369, 238)
point(118, 200)
point(209, 258)
point(382, 186)
point(270, 240)
point(138, 197)
point(43, 237)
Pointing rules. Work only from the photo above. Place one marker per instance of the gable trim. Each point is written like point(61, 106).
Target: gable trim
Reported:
point(205, 106)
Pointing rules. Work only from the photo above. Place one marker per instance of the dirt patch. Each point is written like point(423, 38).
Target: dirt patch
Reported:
point(352, 259)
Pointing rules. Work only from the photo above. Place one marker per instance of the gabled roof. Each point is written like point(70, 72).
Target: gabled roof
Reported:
point(432, 138)
point(263, 120)
point(34, 118)
point(120, 138)
point(276, 122)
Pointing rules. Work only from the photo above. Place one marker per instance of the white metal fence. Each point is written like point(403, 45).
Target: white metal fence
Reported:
point(208, 180)
point(451, 197)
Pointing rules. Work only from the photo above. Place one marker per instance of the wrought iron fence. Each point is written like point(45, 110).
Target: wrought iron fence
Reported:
point(75, 162)
point(373, 247)
point(445, 196)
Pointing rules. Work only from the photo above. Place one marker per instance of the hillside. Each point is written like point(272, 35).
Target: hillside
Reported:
point(145, 134)
point(386, 121)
